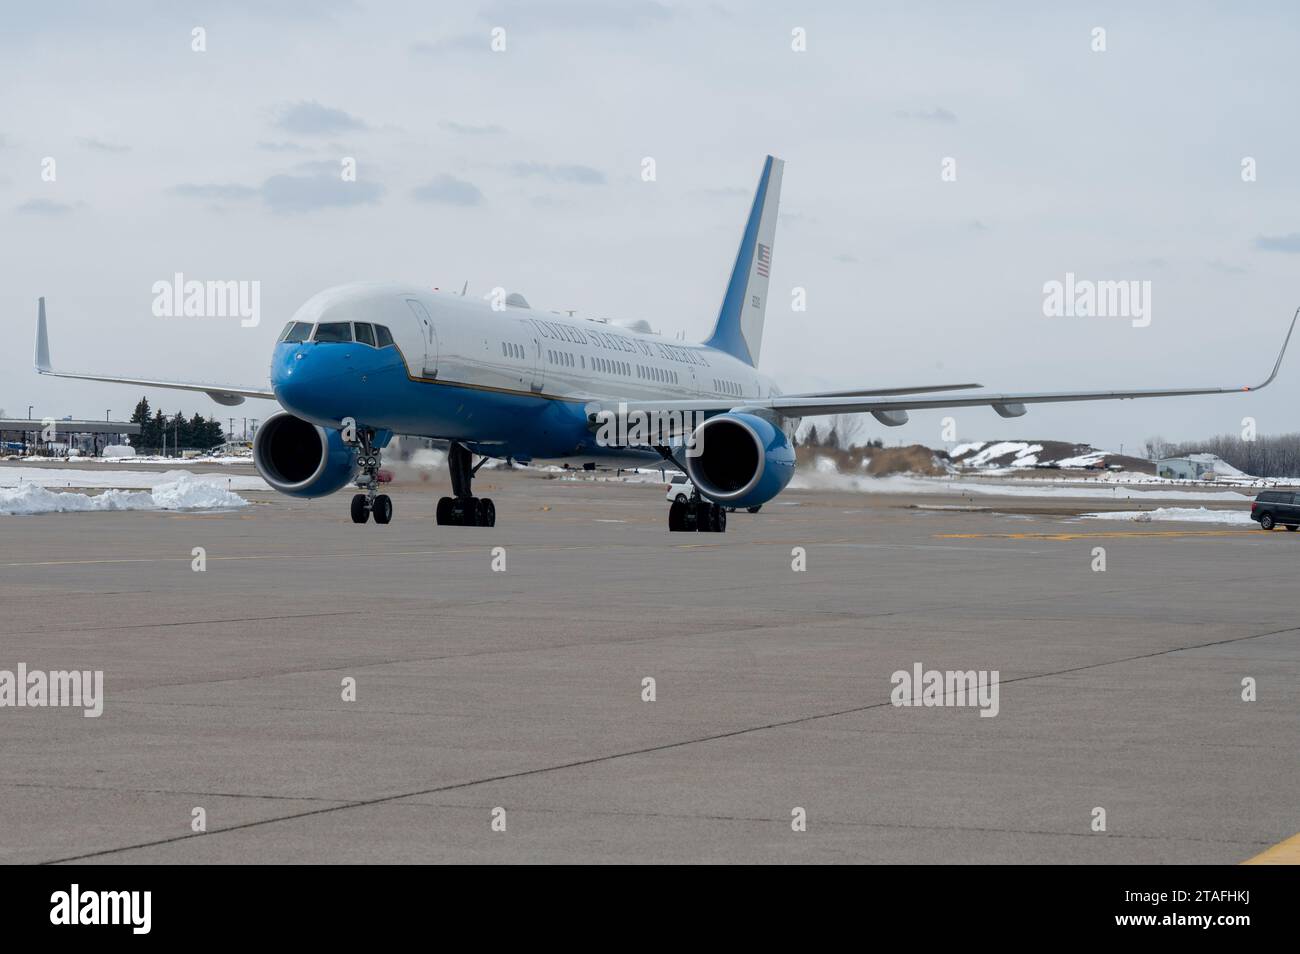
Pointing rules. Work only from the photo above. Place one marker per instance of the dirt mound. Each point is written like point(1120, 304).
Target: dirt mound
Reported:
point(876, 461)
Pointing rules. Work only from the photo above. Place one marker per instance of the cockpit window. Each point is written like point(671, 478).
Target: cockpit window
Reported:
point(365, 332)
point(333, 331)
point(382, 337)
point(296, 331)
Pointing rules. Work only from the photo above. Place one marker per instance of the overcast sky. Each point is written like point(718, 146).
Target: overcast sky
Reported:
point(522, 169)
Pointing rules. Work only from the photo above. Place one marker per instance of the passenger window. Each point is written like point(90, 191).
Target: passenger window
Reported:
point(298, 331)
point(382, 336)
point(365, 332)
point(333, 331)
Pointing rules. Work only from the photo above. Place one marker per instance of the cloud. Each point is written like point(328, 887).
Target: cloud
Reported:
point(936, 115)
point(577, 14)
point(574, 174)
point(310, 186)
point(1279, 243)
point(461, 43)
point(215, 191)
point(468, 129)
point(282, 147)
point(48, 207)
point(317, 190)
point(449, 191)
point(311, 118)
point(98, 145)
point(1225, 268)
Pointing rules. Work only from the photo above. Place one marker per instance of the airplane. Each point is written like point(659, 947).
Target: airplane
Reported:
point(359, 363)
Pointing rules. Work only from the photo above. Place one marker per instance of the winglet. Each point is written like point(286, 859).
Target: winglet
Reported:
point(1278, 364)
point(42, 357)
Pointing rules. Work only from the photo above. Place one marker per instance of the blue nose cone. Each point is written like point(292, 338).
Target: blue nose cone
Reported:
point(310, 380)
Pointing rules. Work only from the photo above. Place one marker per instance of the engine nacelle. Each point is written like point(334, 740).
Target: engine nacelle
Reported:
point(743, 460)
point(301, 459)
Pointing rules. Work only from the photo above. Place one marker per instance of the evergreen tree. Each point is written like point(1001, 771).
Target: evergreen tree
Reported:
point(153, 435)
point(178, 430)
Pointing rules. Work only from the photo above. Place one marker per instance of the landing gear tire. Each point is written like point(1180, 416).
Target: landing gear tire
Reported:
point(360, 512)
point(714, 520)
point(1266, 522)
point(701, 515)
point(382, 508)
point(754, 509)
point(466, 512)
point(462, 508)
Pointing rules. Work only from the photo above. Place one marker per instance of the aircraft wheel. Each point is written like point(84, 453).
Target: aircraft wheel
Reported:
point(677, 516)
point(469, 512)
point(755, 509)
point(444, 511)
point(383, 508)
point(360, 512)
point(487, 513)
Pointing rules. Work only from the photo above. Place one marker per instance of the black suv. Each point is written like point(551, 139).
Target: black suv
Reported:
point(1276, 507)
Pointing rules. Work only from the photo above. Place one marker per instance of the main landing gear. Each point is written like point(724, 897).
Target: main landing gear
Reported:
point(697, 514)
point(370, 501)
point(463, 509)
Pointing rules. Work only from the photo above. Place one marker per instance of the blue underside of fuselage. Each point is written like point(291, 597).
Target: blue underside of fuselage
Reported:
point(326, 382)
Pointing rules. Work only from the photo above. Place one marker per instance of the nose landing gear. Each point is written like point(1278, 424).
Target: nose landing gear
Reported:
point(463, 509)
point(370, 501)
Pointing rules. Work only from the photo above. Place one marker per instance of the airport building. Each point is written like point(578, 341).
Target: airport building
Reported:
point(28, 435)
point(1193, 467)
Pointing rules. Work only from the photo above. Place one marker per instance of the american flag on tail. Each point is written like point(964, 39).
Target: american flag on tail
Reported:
point(764, 259)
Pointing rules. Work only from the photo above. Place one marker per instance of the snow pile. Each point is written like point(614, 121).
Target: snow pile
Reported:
point(1182, 514)
point(195, 493)
point(1083, 460)
point(33, 499)
point(187, 493)
point(825, 476)
point(120, 479)
point(1025, 454)
point(118, 450)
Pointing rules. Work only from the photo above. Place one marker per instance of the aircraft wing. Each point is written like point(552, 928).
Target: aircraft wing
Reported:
point(856, 392)
point(221, 393)
point(891, 410)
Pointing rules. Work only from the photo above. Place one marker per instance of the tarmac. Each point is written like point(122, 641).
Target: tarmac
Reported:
point(501, 714)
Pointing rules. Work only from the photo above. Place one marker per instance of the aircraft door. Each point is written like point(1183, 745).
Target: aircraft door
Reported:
point(428, 335)
point(538, 366)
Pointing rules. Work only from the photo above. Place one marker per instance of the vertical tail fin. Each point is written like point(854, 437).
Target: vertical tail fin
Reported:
point(739, 330)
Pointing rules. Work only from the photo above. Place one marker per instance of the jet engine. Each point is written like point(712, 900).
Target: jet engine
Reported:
point(301, 459)
point(742, 460)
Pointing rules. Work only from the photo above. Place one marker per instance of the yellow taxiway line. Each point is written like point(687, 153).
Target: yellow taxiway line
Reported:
point(1283, 853)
